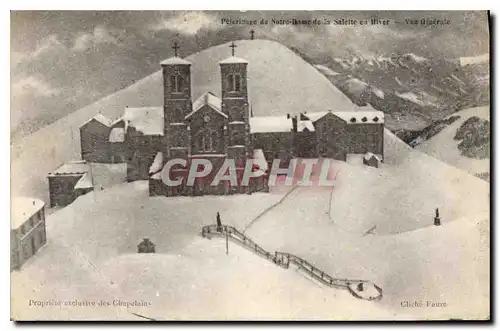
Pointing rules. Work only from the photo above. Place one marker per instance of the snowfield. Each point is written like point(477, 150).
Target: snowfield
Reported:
point(443, 147)
point(374, 224)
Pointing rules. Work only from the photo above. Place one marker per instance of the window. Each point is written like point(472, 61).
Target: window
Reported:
point(176, 83)
point(25, 228)
point(33, 220)
point(206, 141)
point(237, 83)
point(238, 138)
point(234, 82)
point(177, 115)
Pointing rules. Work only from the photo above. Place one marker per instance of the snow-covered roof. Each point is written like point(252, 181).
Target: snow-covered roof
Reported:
point(233, 59)
point(99, 118)
point(72, 168)
point(302, 125)
point(210, 100)
point(316, 115)
point(147, 120)
point(84, 182)
point(117, 121)
point(175, 60)
point(352, 117)
point(157, 163)
point(156, 176)
point(260, 161)
point(22, 209)
point(262, 124)
point(117, 135)
point(369, 155)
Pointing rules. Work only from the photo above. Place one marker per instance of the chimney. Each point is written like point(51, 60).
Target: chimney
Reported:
point(287, 115)
point(294, 123)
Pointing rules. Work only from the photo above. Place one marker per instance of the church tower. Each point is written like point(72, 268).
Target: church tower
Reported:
point(235, 105)
point(177, 104)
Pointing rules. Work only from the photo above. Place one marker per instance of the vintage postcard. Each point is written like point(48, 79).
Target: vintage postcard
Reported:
point(257, 165)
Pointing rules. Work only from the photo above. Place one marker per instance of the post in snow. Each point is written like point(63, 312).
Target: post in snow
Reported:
point(437, 219)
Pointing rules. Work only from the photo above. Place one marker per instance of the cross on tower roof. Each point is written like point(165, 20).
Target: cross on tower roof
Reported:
point(175, 47)
point(233, 46)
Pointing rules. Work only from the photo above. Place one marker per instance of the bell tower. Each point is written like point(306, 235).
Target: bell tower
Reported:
point(235, 105)
point(177, 103)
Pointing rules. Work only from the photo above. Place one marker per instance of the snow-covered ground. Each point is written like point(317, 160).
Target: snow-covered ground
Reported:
point(91, 252)
point(447, 264)
point(443, 147)
point(403, 193)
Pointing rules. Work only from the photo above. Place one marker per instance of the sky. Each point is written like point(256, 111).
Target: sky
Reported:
point(64, 60)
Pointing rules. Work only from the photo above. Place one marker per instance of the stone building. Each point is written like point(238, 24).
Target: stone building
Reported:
point(144, 137)
point(68, 182)
point(217, 128)
point(339, 133)
point(28, 233)
point(94, 139)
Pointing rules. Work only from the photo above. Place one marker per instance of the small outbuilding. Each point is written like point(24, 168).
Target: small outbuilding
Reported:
point(146, 246)
point(94, 139)
point(27, 231)
point(69, 181)
point(372, 160)
point(117, 145)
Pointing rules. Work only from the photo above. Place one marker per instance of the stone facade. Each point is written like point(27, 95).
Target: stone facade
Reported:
point(210, 129)
point(28, 234)
point(337, 137)
point(217, 129)
point(68, 182)
point(94, 142)
point(141, 150)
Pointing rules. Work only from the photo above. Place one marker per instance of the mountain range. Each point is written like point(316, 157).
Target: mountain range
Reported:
point(413, 91)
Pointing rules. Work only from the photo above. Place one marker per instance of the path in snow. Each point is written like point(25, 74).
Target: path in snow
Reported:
point(303, 208)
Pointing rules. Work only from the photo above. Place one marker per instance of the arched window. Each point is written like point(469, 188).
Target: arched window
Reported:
point(234, 82)
point(176, 83)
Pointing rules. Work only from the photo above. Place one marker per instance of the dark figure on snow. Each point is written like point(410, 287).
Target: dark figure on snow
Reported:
point(219, 223)
point(360, 287)
point(146, 246)
point(437, 219)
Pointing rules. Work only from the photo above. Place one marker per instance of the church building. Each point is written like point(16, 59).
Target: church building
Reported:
point(217, 128)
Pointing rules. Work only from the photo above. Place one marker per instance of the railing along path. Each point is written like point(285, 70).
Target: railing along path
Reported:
point(361, 289)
